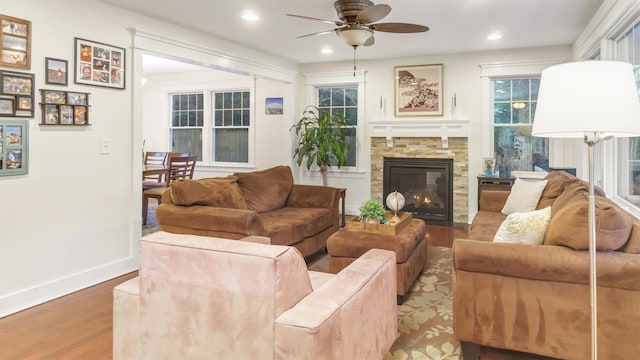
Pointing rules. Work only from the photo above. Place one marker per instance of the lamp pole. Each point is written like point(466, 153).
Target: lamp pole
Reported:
point(591, 139)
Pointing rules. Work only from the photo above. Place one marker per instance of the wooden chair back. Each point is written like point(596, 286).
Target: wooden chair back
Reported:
point(153, 158)
point(173, 154)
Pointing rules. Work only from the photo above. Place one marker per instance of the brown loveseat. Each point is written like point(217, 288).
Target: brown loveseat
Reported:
point(264, 203)
point(535, 298)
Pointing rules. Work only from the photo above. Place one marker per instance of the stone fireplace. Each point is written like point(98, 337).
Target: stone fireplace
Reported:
point(446, 139)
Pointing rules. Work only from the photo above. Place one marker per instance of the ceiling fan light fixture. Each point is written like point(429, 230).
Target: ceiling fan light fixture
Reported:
point(355, 36)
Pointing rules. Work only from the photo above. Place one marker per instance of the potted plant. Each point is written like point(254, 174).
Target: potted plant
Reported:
point(321, 140)
point(371, 211)
point(506, 158)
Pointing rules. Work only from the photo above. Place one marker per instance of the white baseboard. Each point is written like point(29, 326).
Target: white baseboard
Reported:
point(23, 299)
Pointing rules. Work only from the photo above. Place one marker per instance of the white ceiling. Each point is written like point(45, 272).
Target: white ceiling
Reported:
point(456, 25)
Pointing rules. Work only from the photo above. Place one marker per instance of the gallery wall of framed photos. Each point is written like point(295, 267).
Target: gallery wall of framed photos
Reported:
point(64, 107)
point(14, 141)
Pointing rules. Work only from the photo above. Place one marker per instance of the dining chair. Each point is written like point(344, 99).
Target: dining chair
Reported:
point(153, 158)
point(178, 168)
point(173, 154)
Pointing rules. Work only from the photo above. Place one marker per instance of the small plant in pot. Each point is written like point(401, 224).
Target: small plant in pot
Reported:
point(371, 211)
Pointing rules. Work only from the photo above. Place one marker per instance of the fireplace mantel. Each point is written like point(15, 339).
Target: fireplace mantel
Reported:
point(443, 129)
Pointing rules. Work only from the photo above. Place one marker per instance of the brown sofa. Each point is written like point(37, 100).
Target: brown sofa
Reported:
point(535, 298)
point(264, 203)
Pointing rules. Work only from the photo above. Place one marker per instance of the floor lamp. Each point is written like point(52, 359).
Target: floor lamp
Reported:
point(592, 100)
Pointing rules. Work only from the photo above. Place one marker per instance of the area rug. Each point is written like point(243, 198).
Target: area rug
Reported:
point(152, 224)
point(425, 318)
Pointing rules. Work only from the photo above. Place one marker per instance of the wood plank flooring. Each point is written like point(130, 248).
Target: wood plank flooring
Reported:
point(79, 325)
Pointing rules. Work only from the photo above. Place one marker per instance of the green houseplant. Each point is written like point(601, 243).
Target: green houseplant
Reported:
point(371, 210)
point(321, 140)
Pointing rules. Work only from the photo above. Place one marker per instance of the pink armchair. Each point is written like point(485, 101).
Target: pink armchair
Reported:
point(199, 297)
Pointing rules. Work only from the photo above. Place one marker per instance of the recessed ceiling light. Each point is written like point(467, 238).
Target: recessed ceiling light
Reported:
point(249, 16)
point(326, 51)
point(494, 36)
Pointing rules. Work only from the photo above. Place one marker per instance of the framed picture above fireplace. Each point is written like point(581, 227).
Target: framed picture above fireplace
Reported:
point(418, 90)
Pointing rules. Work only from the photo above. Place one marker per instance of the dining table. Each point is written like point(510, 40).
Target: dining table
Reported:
point(152, 170)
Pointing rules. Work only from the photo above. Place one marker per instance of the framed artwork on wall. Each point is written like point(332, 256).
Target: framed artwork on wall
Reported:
point(56, 71)
point(16, 94)
point(15, 42)
point(99, 64)
point(418, 90)
point(64, 107)
point(14, 141)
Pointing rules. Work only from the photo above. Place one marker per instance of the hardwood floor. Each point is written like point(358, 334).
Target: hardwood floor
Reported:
point(79, 325)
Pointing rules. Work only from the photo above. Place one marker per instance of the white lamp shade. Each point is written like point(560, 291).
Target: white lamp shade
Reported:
point(355, 36)
point(587, 97)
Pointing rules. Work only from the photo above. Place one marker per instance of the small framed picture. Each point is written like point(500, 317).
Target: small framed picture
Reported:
point(6, 106)
point(75, 98)
point(66, 114)
point(25, 103)
point(53, 97)
point(50, 114)
point(273, 106)
point(56, 71)
point(13, 135)
point(489, 167)
point(17, 83)
point(79, 115)
point(99, 64)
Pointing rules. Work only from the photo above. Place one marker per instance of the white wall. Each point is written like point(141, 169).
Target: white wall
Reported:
point(461, 76)
point(74, 219)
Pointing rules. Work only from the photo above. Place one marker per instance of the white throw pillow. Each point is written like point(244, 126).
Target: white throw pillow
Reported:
point(524, 227)
point(524, 196)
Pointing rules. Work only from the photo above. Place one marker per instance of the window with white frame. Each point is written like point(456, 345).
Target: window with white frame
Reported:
point(230, 131)
point(228, 118)
point(187, 121)
point(514, 105)
point(342, 100)
point(342, 93)
point(628, 149)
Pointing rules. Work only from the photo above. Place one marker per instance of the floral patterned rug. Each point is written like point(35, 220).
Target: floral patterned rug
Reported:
point(425, 323)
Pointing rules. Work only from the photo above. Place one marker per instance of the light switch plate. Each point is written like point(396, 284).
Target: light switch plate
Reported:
point(105, 146)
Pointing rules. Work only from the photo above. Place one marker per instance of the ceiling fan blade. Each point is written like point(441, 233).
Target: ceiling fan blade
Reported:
point(369, 41)
point(398, 27)
point(333, 22)
point(316, 33)
point(373, 13)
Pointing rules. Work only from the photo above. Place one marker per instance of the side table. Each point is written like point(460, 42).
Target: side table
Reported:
point(343, 194)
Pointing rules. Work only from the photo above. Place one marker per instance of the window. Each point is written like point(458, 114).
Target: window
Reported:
point(514, 106)
point(342, 93)
point(342, 100)
point(228, 116)
point(230, 132)
point(187, 120)
point(628, 150)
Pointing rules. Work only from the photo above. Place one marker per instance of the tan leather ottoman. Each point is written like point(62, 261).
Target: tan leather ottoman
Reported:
point(410, 246)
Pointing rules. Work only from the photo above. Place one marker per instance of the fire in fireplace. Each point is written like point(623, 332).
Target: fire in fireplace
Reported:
point(425, 183)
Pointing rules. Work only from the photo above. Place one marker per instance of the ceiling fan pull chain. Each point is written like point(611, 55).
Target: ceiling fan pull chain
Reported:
point(354, 61)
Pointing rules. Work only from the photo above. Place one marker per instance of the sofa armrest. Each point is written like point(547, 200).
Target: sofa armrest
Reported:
point(493, 200)
point(352, 316)
point(313, 196)
point(547, 263)
point(228, 220)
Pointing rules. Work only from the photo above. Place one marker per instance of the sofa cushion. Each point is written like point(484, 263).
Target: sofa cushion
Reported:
point(569, 226)
point(485, 224)
point(556, 184)
point(218, 192)
point(524, 196)
point(524, 227)
point(314, 220)
point(266, 190)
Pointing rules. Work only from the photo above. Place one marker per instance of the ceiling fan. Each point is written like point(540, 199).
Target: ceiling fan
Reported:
point(358, 22)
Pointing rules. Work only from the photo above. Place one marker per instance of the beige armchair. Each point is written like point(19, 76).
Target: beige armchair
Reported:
point(204, 297)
